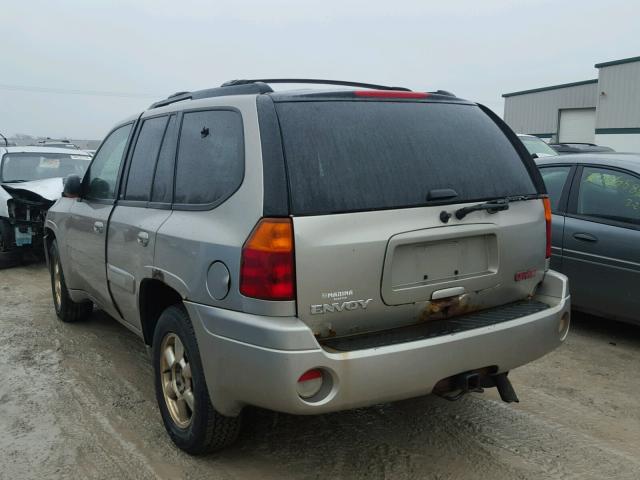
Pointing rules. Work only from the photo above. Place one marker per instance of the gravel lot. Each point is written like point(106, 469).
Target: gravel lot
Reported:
point(77, 401)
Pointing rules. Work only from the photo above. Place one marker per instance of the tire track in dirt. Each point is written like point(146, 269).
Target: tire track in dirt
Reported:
point(77, 401)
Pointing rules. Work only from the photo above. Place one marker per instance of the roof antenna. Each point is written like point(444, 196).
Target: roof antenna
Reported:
point(6, 142)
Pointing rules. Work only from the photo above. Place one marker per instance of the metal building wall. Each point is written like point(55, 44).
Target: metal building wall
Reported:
point(618, 113)
point(536, 111)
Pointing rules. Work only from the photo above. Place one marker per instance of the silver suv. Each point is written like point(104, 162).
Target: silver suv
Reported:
point(308, 251)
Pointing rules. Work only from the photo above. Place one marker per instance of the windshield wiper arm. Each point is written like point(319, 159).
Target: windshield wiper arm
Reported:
point(492, 206)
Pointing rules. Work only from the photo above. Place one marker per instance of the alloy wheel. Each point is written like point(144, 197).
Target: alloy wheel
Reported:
point(176, 379)
point(57, 284)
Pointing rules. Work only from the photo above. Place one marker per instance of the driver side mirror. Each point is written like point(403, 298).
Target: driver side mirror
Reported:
point(534, 156)
point(72, 187)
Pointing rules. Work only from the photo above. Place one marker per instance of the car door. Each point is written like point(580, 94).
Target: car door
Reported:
point(88, 218)
point(602, 242)
point(141, 209)
point(557, 179)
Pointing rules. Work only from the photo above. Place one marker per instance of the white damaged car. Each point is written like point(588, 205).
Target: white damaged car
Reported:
point(30, 182)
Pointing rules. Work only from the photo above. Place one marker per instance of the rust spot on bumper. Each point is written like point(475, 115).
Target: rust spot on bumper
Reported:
point(447, 308)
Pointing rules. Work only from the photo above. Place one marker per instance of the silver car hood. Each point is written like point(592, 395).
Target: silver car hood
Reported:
point(48, 189)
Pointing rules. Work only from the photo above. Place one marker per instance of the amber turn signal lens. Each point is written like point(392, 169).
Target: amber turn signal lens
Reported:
point(271, 235)
point(267, 268)
point(547, 218)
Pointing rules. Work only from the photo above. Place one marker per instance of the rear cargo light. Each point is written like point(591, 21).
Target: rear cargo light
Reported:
point(547, 218)
point(267, 264)
point(389, 94)
point(310, 383)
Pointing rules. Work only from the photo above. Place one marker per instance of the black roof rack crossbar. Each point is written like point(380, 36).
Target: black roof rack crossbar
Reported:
point(240, 89)
point(316, 81)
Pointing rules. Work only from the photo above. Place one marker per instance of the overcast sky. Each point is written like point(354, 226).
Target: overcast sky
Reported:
point(122, 57)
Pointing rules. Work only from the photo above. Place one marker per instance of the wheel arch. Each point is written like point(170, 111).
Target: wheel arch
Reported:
point(154, 298)
point(49, 237)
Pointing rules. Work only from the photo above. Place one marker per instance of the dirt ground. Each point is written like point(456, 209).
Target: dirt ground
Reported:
point(77, 401)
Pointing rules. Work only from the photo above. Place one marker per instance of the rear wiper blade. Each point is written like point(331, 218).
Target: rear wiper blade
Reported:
point(492, 206)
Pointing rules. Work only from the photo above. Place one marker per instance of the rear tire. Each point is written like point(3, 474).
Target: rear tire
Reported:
point(67, 310)
point(192, 422)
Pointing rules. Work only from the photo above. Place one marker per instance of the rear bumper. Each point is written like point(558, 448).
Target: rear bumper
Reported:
point(251, 360)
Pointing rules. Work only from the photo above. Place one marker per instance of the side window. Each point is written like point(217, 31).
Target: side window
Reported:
point(210, 162)
point(554, 179)
point(143, 160)
point(102, 176)
point(163, 181)
point(610, 195)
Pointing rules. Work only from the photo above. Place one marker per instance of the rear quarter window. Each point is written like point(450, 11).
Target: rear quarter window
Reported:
point(555, 179)
point(362, 155)
point(210, 162)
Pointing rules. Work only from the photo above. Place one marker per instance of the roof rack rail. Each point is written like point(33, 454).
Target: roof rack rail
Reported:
point(246, 87)
point(316, 81)
point(240, 89)
point(445, 92)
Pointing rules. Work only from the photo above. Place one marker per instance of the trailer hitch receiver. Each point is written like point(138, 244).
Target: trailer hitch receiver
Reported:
point(475, 381)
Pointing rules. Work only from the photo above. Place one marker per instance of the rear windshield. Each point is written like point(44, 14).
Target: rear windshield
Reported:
point(537, 146)
point(348, 156)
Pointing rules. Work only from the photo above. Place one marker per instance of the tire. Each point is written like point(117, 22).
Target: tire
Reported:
point(5, 235)
point(8, 257)
point(190, 419)
point(67, 310)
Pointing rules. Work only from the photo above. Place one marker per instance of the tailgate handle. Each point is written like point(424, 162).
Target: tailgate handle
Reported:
point(441, 194)
point(448, 292)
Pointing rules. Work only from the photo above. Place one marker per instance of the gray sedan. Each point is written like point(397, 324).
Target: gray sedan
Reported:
point(595, 199)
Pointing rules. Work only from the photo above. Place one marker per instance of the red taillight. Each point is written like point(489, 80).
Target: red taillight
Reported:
point(389, 94)
point(267, 265)
point(310, 375)
point(547, 218)
point(310, 383)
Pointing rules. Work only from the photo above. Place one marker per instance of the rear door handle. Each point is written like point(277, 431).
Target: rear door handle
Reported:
point(98, 227)
point(143, 238)
point(585, 237)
